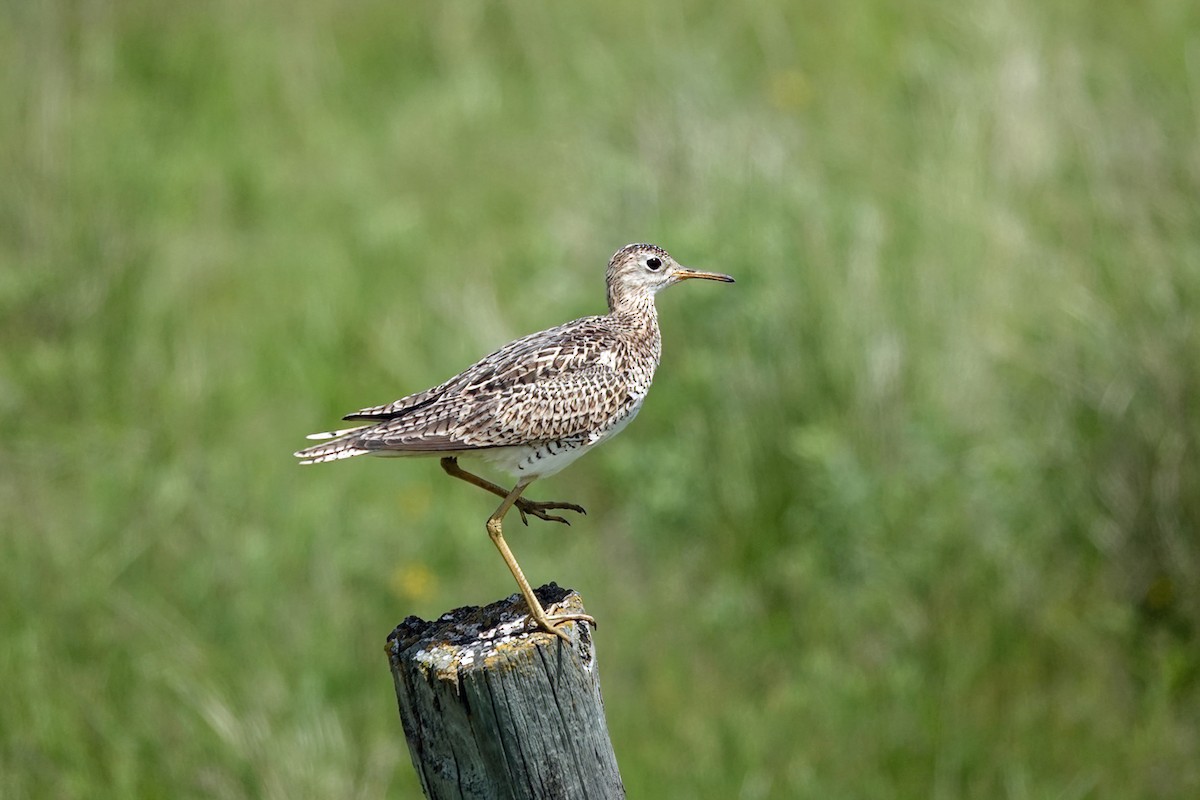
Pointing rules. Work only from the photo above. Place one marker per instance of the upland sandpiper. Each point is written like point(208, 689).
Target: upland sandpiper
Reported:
point(533, 406)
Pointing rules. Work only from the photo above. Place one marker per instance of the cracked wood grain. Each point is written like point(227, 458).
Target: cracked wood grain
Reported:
point(494, 709)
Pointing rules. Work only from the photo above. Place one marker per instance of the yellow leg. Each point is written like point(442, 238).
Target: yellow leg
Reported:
point(495, 530)
point(450, 465)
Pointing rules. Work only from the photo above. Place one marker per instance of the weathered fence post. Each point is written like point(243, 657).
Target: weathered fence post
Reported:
point(492, 709)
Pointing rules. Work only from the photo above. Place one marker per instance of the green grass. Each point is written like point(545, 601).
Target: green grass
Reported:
point(912, 511)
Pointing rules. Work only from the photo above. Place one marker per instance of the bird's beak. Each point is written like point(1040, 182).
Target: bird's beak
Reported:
point(683, 274)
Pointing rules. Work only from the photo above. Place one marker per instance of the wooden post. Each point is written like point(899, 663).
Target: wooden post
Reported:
point(494, 709)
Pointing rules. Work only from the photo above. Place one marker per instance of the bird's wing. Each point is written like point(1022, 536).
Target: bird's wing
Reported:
point(398, 408)
point(558, 384)
point(532, 356)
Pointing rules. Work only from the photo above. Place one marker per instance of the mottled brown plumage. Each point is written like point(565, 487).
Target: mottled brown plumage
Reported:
point(536, 404)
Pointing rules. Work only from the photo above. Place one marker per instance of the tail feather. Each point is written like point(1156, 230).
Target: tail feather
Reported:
point(335, 434)
point(344, 445)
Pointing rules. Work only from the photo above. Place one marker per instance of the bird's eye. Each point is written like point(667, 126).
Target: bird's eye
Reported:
point(654, 262)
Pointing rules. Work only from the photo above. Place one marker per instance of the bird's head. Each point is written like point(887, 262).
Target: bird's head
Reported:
point(641, 270)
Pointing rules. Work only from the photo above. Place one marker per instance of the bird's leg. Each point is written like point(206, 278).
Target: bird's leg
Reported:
point(525, 506)
point(547, 622)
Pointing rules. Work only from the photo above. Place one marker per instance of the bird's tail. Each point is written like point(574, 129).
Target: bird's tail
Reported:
point(342, 446)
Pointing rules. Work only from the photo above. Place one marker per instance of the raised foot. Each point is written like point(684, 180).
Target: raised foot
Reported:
point(539, 510)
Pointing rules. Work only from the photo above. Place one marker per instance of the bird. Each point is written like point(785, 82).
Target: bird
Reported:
point(533, 406)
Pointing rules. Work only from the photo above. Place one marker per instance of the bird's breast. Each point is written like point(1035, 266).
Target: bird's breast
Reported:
point(546, 458)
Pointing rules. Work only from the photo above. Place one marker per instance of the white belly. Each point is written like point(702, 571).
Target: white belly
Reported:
point(549, 458)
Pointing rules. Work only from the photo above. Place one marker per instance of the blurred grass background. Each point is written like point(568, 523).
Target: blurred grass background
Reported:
point(912, 509)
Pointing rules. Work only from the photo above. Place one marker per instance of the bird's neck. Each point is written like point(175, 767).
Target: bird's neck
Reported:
point(632, 306)
point(629, 301)
point(635, 314)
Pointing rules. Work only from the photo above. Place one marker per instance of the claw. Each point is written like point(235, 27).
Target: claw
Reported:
point(539, 509)
point(553, 623)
